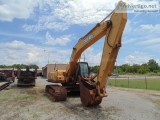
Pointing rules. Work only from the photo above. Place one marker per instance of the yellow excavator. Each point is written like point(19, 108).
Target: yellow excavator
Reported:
point(77, 74)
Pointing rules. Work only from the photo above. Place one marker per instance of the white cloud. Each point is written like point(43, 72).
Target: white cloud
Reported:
point(151, 28)
point(82, 11)
point(137, 58)
point(43, 25)
point(150, 41)
point(29, 36)
point(129, 41)
point(129, 27)
point(59, 15)
point(91, 57)
point(63, 40)
point(155, 48)
point(18, 52)
point(145, 34)
point(15, 45)
point(32, 55)
point(22, 9)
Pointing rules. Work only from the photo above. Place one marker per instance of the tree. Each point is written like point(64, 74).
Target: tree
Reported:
point(3, 66)
point(33, 66)
point(21, 66)
point(94, 69)
point(135, 68)
point(153, 65)
point(143, 69)
point(125, 68)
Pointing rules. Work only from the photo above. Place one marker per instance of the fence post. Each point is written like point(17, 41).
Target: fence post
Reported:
point(115, 82)
point(128, 82)
point(146, 81)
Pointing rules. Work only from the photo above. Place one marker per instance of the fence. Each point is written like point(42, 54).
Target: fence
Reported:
point(142, 82)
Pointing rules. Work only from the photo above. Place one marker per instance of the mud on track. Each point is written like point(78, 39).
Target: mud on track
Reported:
point(121, 104)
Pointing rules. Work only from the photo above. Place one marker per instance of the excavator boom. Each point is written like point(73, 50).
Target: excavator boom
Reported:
point(90, 38)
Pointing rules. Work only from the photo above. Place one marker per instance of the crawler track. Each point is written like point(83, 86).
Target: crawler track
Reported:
point(56, 93)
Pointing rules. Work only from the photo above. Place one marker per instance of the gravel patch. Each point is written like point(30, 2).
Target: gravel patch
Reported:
point(121, 104)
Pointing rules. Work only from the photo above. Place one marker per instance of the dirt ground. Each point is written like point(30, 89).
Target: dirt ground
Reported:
point(121, 104)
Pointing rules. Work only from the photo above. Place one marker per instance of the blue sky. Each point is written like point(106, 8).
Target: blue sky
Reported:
point(33, 32)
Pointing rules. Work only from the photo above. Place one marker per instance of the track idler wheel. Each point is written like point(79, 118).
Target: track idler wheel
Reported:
point(89, 95)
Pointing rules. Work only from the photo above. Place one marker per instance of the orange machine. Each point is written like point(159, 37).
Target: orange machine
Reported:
point(77, 74)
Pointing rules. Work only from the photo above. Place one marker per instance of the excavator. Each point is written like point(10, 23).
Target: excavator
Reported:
point(77, 74)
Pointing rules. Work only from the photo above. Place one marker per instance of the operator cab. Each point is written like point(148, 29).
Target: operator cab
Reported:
point(84, 69)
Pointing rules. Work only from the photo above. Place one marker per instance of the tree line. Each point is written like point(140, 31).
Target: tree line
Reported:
point(20, 66)
point(150, 67)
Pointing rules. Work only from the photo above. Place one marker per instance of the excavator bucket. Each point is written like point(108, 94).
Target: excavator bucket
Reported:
point(88, 94)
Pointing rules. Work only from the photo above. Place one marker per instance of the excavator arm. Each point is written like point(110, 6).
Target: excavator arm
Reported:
point(112, 45)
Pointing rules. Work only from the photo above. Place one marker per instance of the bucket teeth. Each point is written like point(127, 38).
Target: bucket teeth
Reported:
point(56, 93)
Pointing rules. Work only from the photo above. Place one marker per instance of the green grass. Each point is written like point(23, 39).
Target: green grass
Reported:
point(35, 115)
point(24, 97)
point(4, 96)
point(13, 95)
point(152, 84)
